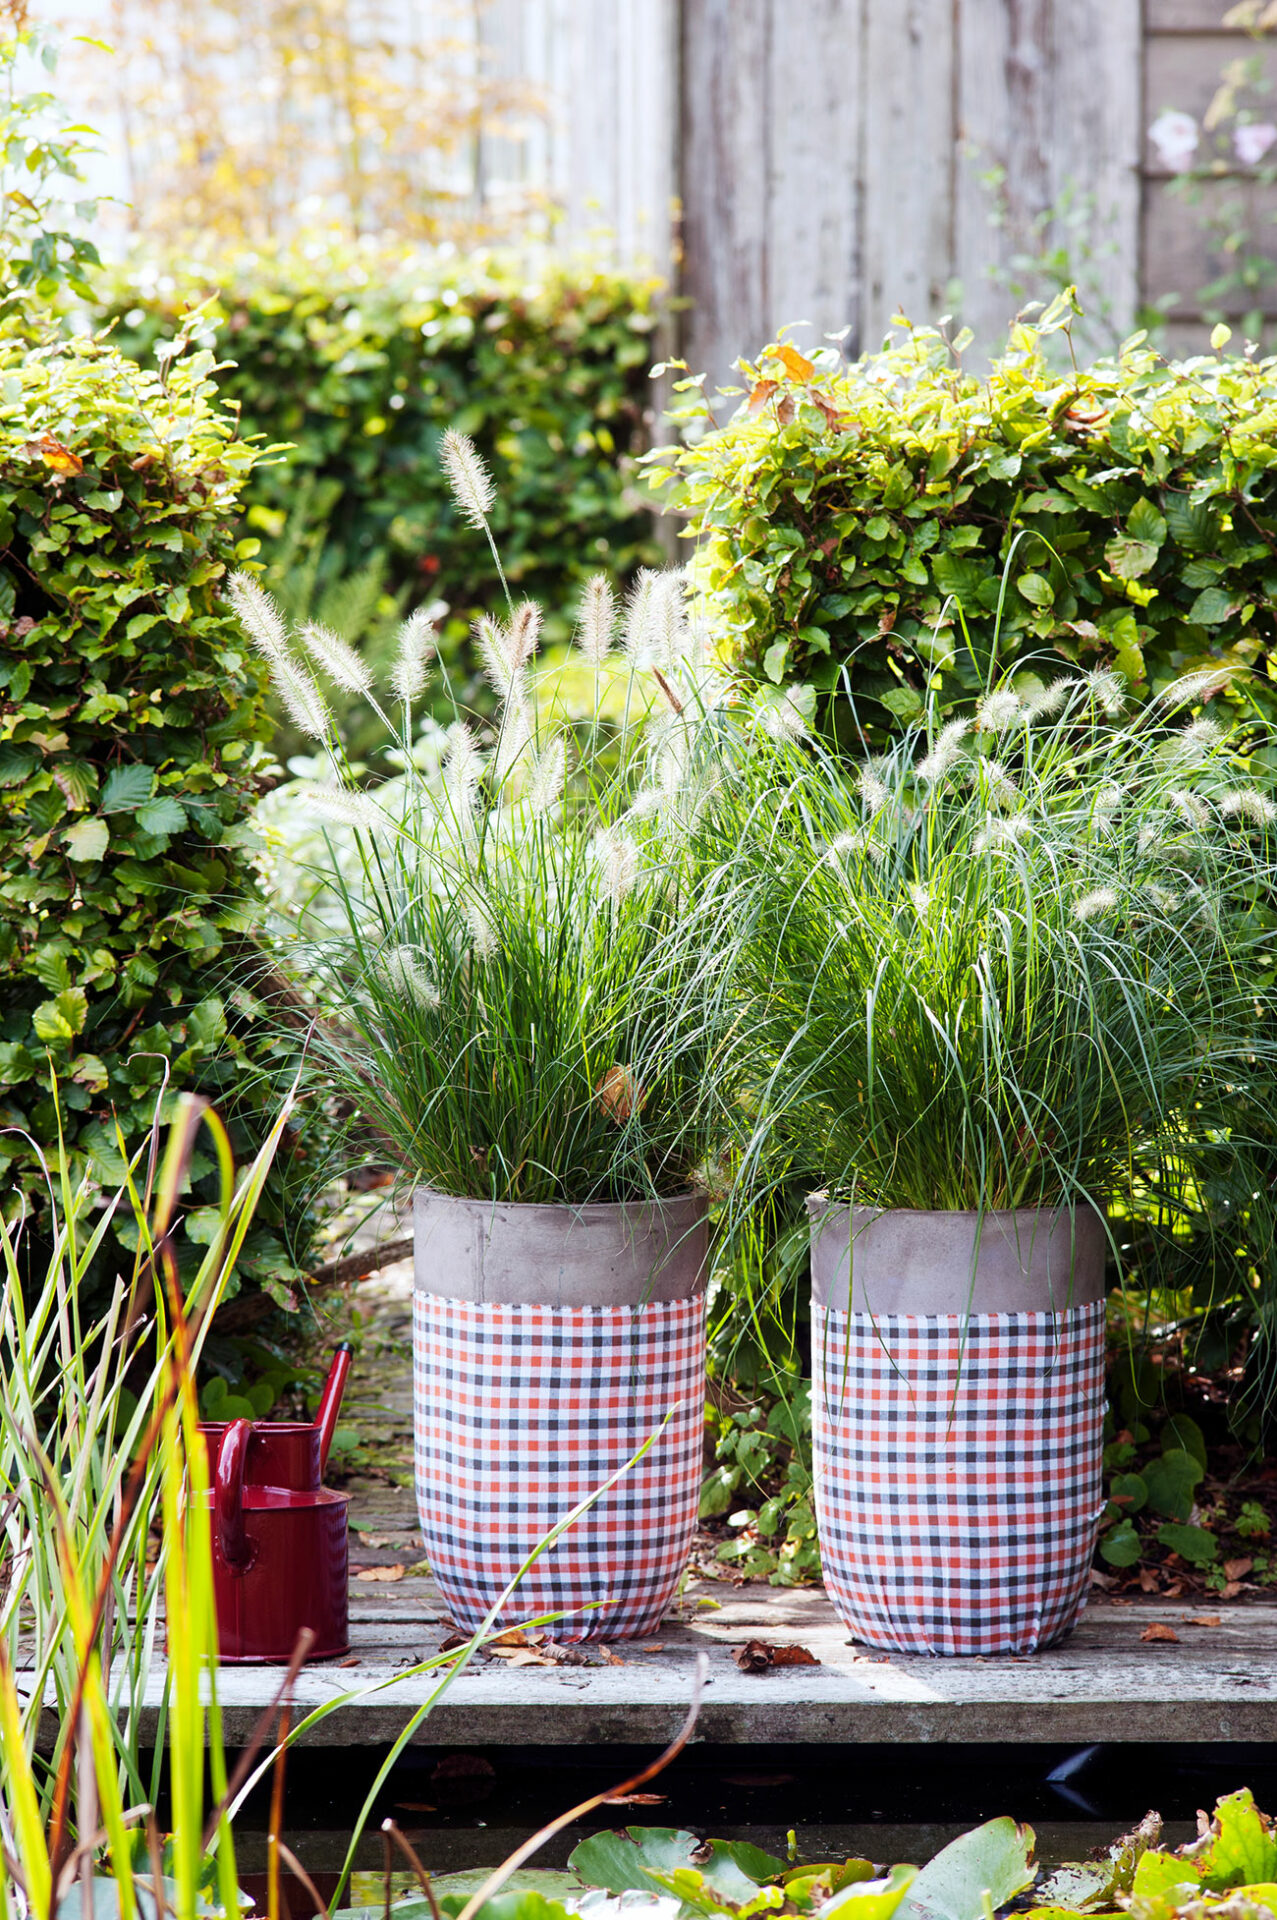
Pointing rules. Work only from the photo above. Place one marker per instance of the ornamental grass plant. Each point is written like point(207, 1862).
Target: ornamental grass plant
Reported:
point(505, 1000)
point(1019, 960)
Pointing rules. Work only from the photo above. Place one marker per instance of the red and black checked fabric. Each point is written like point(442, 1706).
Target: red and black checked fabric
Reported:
point(957, 1466)
point(520, 1412)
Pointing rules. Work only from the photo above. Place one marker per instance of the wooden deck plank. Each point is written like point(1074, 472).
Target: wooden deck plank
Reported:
point(1214, 1684)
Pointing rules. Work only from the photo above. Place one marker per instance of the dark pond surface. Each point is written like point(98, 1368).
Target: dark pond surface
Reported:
point(471, 1808)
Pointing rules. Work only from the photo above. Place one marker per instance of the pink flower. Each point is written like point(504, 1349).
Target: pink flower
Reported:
point(1251, 142)
point(1175, 135)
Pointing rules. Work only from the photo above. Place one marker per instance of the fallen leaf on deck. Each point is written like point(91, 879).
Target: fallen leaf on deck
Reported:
point(1201, 1620)
point(635, 1799)
point(756, 1656)
point(1239, 1568)
point(381, 1573)
point(656, 1646)
point(1158, 1632)
point(611, 1659)
point(522, 1657)
point(1230, 1590)
point(354, 1661)
point(1149, 1580)
point(512, 1637)
point(453, 1641)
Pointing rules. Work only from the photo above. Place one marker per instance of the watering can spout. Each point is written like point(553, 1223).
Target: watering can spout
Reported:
point(330, 1401)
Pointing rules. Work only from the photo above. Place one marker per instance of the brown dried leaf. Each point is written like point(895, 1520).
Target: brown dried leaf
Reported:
point(619, 1094)
point(1159, 1633)
point(785, 411)
point(754, 1657)
point(1239, 1568)
point(512, 1637)
point(381, 1573)
point(760, 394)
point(1201, 1620)
point(635, 1799)
point(611, 1659)
point(653, 1646)
point(1149, 1580)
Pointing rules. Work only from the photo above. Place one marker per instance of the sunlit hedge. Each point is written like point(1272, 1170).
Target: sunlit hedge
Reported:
point(902, 518)
point(132, 737)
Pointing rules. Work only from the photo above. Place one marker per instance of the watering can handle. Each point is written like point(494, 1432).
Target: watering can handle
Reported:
point(228, 1495)
point(330, 1402)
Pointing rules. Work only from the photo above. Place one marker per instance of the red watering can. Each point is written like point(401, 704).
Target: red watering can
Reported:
point(280, 1554)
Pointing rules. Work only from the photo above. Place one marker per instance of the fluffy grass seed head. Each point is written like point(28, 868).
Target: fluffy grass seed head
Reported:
point(1191, 688)
point(1044, 703)
point(471, 483)
point(259, 616)
point(1010, 832)
point(945, 754)
point(415, 649)
point(492, 643)
point(1247, 803)
point(640, 617)
point(998, 711)
point(919, 900)
point(846, 846)
point(462, 764)
point(402, 970)
point(782, 719)
point(596, 626)
point(303, 702)
point(514, 742)
point(1106, 690)
point(616, 856)
point(873, 790)
point(337, 658)
point(483, 932)
point(347, 806)
point(521, 637)
point(549, 776)
point(669, 632)
point(1098, 900)
point(1190, 807)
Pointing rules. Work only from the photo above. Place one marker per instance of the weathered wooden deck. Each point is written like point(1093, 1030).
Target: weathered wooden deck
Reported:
point(1212, 1684)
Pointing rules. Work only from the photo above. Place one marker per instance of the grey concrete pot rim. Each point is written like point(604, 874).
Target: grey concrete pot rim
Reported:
point(821, 1207)
point(598, 1209)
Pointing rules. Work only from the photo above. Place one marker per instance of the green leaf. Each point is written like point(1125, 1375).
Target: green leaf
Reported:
point(1183, 1431)
point(1036, 589)
point(1131, 1489)
point(162, 815)
point(993, 1862)
point(774, 661)
point(61, 1018)
point(17, 763)
point(1171, 1481)
point(630, 1860)
point(717, 1493)
point(1129, 559)
point(871, 1900)
point(1144, 522)
point(1121, 1547)
point(88, 839)
point(904, 702)
point(1211, 606)
point(1194, 1544)
point(126, 788)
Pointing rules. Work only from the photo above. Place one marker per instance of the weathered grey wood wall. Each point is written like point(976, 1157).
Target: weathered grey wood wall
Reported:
point(837, 161)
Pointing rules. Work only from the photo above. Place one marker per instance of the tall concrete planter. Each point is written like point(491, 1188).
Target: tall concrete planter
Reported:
point(958, 1409)
point(550, 1342)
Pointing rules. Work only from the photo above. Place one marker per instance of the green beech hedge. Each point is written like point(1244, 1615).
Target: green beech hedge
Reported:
point(859, 520)
point(361, 362)
point(132, 738)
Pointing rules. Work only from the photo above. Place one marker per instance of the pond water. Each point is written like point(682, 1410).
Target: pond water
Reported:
point(471, 1808)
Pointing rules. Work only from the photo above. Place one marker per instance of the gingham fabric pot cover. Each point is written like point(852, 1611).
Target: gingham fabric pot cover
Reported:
point(520, 1411)
point(957, 1467)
